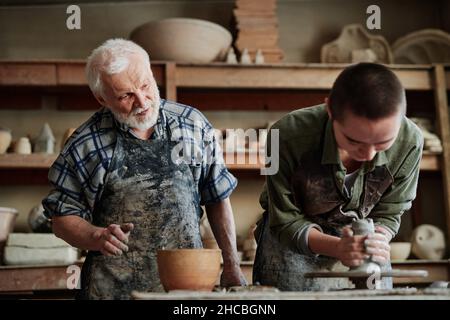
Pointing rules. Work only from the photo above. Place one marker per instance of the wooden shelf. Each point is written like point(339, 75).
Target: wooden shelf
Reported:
point(16, 169)
point(437, 270)
point(285, 76)
point(430, 162)
point(213, 75)
point(46, 73)
point(29, 161)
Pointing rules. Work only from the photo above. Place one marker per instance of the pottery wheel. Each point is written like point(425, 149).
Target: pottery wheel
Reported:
point(358, 274)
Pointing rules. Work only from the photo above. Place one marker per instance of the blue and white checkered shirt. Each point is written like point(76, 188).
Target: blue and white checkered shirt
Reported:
point(78, 173)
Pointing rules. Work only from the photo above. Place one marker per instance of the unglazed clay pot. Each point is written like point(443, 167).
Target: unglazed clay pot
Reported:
point(183, 40)
point(428, 242)
point(23, 146)
point(5, 140)
point(189, 269)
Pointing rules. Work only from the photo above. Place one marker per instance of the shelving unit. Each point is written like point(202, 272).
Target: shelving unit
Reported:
point(430, 162)
point(218, 87)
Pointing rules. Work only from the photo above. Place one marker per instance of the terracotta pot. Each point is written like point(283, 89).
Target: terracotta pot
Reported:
point(210, 244)
point(183, 40)
point(7, 221)
point(400, 250)
point(189, 269)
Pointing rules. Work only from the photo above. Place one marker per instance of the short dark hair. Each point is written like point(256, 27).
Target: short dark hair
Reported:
point(368, 90)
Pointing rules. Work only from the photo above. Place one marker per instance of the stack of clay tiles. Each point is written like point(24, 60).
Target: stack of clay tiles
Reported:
point(257, 27)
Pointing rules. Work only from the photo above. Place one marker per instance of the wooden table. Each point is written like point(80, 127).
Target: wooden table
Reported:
point(394, 294)
point(52, 281)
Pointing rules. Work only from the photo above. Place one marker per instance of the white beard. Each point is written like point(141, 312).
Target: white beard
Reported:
point(141, 123)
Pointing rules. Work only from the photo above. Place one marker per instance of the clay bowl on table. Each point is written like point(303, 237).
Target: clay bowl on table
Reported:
point(183, 40)
point(189, 269)
point(400, 250)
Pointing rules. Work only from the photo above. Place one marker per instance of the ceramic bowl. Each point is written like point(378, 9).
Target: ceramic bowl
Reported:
point(189, 269)
point(183, 40)
point(400, 250)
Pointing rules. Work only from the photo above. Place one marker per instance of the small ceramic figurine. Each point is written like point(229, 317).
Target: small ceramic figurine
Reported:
point(45, 142)
point(5, 139)
point(23, 146)
point(231, 56)
point(259, 58)
point(245, 57)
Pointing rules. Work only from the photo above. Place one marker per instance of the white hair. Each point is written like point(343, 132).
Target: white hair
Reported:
point(112, 57)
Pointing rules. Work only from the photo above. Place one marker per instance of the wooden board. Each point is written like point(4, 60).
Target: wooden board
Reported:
point(30, 74)
point(219, 75)
point(35, 160)
point(430, 162)
point(442, 116)
point(305, 76)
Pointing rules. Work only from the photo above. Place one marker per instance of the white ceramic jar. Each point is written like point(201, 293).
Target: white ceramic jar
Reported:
point(23, 146)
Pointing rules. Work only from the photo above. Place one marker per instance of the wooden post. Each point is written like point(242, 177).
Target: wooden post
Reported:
point(442, 121)
point(170, 81)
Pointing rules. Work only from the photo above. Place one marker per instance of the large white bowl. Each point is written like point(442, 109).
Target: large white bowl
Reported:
point(183, 40)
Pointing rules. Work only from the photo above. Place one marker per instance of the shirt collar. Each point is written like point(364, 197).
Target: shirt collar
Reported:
point(330, 154)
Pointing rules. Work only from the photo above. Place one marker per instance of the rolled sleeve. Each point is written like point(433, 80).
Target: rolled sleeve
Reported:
point(301, 237)
point(66, 197)
point(219, 183)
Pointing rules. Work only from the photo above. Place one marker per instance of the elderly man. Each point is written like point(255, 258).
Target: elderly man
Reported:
point(120, 191)
point(356, 156)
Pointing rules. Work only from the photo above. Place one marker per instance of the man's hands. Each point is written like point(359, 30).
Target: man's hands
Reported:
point(232, 276)
point(377, 245)
point(113, 240)
point(220, 217)
point(352, 250)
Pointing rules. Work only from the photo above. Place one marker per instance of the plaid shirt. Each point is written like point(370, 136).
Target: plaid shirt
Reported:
point(78, 173)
